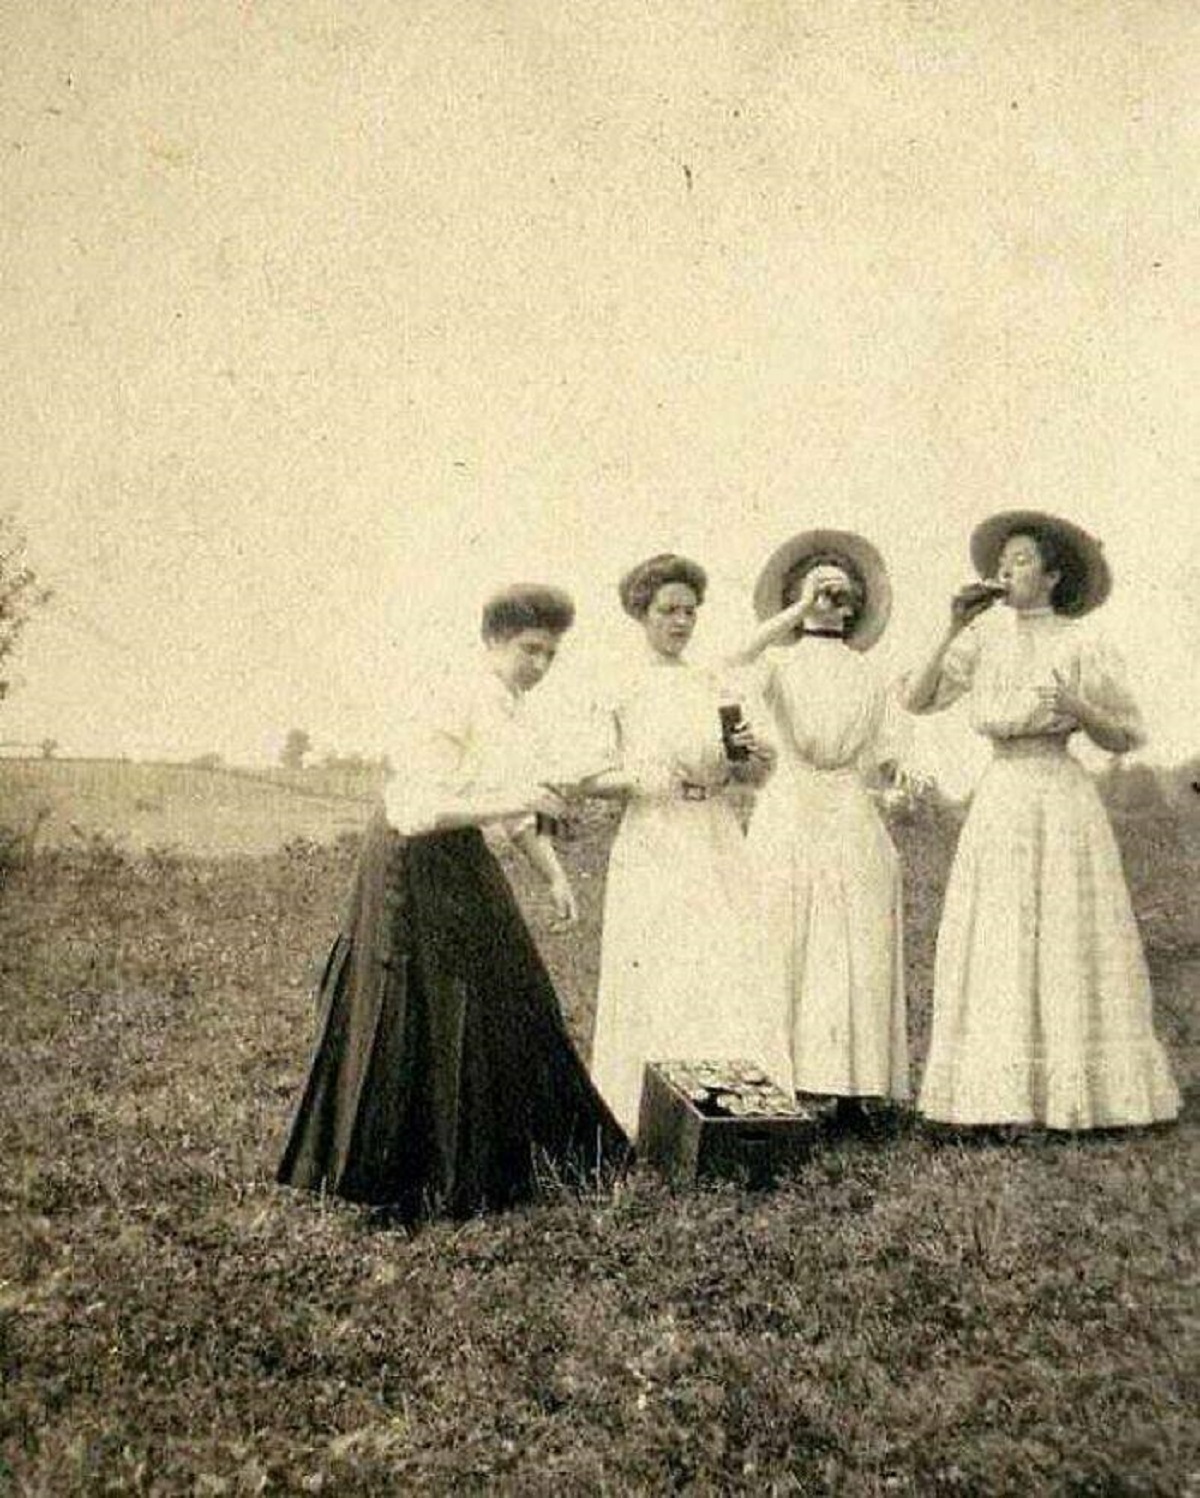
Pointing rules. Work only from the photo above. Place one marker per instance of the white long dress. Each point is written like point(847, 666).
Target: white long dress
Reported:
point(828, 873)
point(1042, 1003)
point(679, 969)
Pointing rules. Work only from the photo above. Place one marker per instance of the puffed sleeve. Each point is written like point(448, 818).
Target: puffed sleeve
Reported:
point(604, 730)
point(1104, 684)
point(755, 684)
point(958, 665)
point(891, 745)
point(620, 750)
point(646, 759)
point(432, 768)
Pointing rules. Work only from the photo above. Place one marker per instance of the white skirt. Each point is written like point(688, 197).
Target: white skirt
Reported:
point(680, 976)
point(829, 882)
point(1042, 1005)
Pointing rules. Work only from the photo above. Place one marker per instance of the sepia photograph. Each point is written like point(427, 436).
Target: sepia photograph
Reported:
point(599, 747)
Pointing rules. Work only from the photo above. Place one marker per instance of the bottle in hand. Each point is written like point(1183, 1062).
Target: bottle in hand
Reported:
point(731, 721)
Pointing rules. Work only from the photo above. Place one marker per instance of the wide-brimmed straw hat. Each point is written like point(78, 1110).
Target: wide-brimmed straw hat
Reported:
point(863, 559)
point(1087, 578)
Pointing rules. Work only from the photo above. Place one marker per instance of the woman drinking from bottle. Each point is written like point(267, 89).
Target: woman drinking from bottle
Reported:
point(1042, 1003)
point(828, 875)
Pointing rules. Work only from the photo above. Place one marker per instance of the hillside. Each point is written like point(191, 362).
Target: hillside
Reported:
point(197, 808)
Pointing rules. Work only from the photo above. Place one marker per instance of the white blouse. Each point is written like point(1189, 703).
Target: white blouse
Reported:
point(833, 709)
point(1003, 657)
point(664, 726)
point(474, 739)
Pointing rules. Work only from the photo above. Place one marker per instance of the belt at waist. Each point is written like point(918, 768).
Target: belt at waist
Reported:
point(806, 769)
point(1031, 746)
point(678, 790)
point(691, 790)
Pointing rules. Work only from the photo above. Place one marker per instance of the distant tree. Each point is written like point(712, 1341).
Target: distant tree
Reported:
point(335, 761)
point(295, 747)
point(20, 593)
point(49, 748)
point(209, 761)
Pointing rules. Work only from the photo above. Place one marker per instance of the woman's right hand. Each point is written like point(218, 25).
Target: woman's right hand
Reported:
point(541, 800)
point(654, 779)
point(971, 601)
point(795, 611)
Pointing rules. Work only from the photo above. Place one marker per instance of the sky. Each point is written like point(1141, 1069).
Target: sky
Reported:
point(320, 320)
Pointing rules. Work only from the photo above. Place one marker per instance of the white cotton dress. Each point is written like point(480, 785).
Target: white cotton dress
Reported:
point(1042, 1003)
point(680, 975)
point(828, 873)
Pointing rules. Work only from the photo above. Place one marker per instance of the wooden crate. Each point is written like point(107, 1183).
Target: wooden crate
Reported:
point(711, 1120)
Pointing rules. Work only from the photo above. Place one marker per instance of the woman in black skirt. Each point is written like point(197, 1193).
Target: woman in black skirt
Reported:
point(443, 1079)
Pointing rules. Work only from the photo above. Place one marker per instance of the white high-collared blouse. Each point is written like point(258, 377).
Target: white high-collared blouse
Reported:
point(1003, 658)
point(474, 739)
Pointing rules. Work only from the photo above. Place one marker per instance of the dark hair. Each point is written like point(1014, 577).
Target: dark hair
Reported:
point(639, 586)
point(1057, 556)
point(793, 579)
point(526, 606)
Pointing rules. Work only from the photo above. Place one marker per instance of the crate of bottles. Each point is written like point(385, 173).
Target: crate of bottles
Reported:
point(721, 1119)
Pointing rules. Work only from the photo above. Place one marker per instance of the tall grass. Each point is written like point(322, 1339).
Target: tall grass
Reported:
point(925, 1314)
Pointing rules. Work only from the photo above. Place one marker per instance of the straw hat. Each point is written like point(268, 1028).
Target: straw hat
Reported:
point(863, 559)
point(1086, 578)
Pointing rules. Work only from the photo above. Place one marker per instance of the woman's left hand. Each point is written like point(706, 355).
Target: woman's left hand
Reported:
point(745, 738)
point(573, 792)
point(760, 755)
point(562, 897)
point(1060, 698)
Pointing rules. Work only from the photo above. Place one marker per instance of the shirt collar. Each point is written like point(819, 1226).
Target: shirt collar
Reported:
point(497, 693)
point(658, 662)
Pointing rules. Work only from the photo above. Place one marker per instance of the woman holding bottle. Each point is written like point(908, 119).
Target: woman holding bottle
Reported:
point(680, 977)
point(1042, 1003)
point(827, 872)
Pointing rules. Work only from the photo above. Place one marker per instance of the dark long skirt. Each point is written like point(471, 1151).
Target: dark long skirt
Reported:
point(443, 1080)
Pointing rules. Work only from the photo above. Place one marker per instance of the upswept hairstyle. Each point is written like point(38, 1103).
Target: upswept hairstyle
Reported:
point(638, 587)
point(526, 606)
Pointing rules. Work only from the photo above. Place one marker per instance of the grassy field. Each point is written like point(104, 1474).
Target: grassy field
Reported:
point(203, 810)
point(922, 1315)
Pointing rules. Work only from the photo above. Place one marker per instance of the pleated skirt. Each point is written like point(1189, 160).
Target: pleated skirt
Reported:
point(443, 1080)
